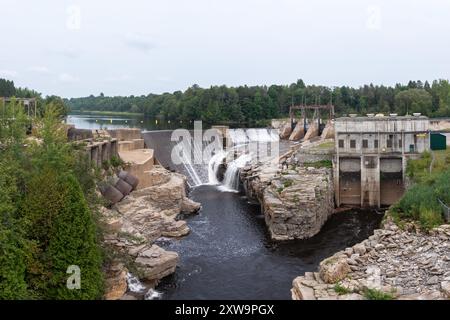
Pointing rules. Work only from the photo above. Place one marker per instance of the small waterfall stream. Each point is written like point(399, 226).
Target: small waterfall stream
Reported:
point(231, 178)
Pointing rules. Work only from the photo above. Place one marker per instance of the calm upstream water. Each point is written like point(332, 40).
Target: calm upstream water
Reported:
point(228, 254)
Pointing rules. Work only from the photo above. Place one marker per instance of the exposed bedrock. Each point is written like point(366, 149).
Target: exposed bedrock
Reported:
point(399, 264)
point(133, 224)
point(296, 201)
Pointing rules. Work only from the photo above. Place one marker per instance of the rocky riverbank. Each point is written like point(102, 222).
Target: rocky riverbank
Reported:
point(296, 199)
point(134, 224)
point(392, 264)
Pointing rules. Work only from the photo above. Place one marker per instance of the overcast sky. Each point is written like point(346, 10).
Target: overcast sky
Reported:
point(78, 48)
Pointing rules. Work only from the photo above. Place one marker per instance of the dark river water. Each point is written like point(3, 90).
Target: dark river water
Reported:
point(228, 254)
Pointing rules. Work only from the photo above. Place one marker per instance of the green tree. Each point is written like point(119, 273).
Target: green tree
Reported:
point(60, 224)
point(414, 100)
point(13, 249)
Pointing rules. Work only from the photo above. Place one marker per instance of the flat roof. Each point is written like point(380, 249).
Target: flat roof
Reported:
point(383, 118)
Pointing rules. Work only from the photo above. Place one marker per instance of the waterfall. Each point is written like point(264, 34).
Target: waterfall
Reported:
point(134, 285)
point(231, 179)
point(243, 136)
point(152, 294)
point(198, 173)
point(213, 167)
point(186, 160)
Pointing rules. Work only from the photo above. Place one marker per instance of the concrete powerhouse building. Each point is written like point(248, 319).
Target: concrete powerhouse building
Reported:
point(371, 157)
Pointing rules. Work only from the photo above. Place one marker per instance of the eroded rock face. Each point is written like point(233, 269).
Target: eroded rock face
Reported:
point(406, 265)
point(296, 201)
point(133, 224)
point(116, 282)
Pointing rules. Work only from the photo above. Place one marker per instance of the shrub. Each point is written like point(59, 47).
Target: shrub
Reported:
point(287, 183)
point(374, 294)
point(13, 248)
point(116, 161)
point(419, 168)
point(12, 266)
point(319, 164)
point(61, 224)
point(340, 290)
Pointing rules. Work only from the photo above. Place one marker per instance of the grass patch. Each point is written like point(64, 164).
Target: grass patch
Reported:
point(287, 183)
point(340, 290)
point(442, 160)
point(326, 145)
point(319, 164)
point(374, 294)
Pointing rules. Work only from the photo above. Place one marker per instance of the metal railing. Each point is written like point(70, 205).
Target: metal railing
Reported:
point(445, 209)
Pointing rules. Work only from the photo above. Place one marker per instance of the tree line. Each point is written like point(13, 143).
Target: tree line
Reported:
point(250, 103)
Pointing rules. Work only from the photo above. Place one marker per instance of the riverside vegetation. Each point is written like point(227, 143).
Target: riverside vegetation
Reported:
point(48, 210)
point(431, 183)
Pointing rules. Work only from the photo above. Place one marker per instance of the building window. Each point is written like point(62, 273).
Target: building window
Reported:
point(365, 144)
point(353, 144)
point(389, 142)
point(341, 143)
point(400, 143)
point(375, 143)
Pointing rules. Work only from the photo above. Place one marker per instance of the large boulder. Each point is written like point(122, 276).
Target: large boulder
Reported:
point(156, 263)
point(175, 228)
point(334, 269)
point(189, 206)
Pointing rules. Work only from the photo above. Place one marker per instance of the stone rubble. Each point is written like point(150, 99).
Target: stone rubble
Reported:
point(406, 264)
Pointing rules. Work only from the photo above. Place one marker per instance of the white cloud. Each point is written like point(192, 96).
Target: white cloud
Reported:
point(164, 79)
point(40, 69)
point(65, 77)
point(73, 21)
point(139, 41)
point(9, 73)
point(374, 18)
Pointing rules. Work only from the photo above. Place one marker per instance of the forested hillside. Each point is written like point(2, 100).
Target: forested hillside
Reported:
point(237, 104)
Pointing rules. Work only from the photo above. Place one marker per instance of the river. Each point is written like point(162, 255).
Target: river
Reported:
point(229, 255)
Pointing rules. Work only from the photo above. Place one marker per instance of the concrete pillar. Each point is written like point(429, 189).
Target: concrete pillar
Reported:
point(337, 198)
point(114, 151)
point(363, 181)
point(378, 182)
